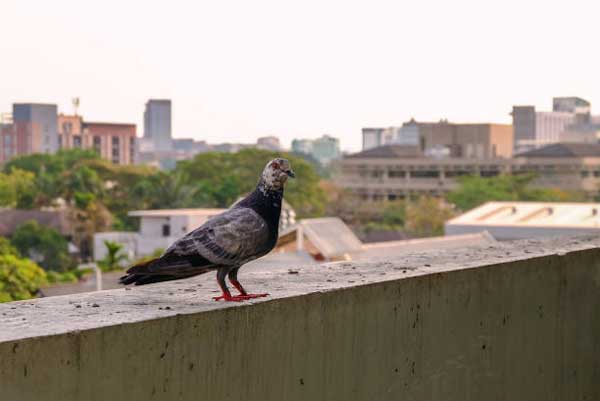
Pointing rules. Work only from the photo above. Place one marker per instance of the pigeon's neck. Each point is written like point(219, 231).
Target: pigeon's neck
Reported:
point(267, 203)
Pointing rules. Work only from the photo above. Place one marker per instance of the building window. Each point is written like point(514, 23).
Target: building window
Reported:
point(396, 174)
point(131, 150)
point(166, 230)
point(60, 141)
point(97, 144)
point(116, 155)
point(115, 141)
point(67, 127)
point(77, 141)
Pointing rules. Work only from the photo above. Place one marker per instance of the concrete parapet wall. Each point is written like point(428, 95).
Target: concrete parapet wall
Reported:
point(516, 321)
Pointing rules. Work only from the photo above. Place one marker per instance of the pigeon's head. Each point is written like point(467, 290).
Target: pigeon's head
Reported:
point(276, 173)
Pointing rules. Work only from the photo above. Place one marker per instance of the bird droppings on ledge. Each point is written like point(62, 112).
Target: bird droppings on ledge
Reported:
point(62, 314)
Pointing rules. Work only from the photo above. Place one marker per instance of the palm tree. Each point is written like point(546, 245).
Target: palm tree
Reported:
point(114, 256)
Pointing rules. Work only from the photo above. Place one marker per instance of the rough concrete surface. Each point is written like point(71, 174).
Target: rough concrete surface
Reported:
point(512, 321)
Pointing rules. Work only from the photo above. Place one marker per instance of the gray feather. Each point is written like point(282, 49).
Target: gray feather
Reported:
point(231, 238)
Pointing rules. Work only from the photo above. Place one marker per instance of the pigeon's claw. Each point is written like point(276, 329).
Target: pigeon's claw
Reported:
point(251, 296)
point(238, 298)
point(227, 298)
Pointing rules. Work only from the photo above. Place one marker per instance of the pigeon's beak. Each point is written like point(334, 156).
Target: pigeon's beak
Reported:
point(291, 174)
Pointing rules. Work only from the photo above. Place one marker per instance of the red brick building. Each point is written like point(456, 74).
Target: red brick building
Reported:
point(113, 141)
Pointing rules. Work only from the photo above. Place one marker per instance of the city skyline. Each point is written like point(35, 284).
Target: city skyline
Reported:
point(239, 71)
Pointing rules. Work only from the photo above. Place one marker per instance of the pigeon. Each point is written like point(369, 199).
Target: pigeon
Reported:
point(246, 231)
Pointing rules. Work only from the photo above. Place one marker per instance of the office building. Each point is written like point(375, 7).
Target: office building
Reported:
point(569, 121)
point(157, 124)
point(269, 143)
point(112, 141)
point(375, 137)
point(445, 139)
point(34, 129)
point(324, 149)
point(304, 146)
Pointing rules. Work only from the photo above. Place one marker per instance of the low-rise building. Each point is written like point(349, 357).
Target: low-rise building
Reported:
point(392, 172)
point(521, 220)
point(269, 143)
point(158, 230)
point(112, 141)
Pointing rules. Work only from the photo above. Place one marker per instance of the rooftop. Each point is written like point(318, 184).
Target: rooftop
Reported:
point(564, 150)
point(544, 214)
point(329, 235)
point(389, 151)
point(88, 123)
point(63, 314)
point(10, 219)
point(175, 212)
point(500, 321)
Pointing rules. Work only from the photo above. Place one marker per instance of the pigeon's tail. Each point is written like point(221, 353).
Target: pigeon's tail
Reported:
point(135, 274)
point(141, 279)
point(149, 271)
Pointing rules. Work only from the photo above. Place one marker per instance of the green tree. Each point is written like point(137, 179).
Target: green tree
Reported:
point(17, 189)
point(474, 191)
point(426, 216)
point(43, 245)
point(167, 190)
point(6, 248)
point(391, 218)
point(223, 177)
point(115, 257)
point(19, 278)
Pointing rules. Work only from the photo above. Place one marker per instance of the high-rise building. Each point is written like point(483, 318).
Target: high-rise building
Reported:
point(302, 146)
point(157, 124)
point(569, 121)
point(34, 129)
point(7, 137)
point(324, 149)
point(375, 137)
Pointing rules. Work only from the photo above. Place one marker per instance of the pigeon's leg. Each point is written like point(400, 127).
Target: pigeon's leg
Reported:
point(243, 294)
point(221, 273)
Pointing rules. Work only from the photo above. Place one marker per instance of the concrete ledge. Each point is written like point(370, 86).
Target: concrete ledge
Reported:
point(515, 321)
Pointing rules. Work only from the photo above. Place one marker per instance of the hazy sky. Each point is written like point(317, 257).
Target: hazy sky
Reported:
point(236, 70)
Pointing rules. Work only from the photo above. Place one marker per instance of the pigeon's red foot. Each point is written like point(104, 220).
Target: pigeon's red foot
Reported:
point(238, 298)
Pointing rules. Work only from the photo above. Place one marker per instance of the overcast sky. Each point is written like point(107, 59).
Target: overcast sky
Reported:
point(236, 70)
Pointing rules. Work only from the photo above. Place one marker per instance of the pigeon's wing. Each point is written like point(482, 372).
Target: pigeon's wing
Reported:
point(231, 238)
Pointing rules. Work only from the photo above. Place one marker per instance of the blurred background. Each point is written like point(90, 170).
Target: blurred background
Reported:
point(410, 125)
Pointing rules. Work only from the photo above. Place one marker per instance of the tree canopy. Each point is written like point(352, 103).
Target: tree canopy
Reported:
point(218, 179)
point(474, 191)
point(42, 244)
point(20, 278)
